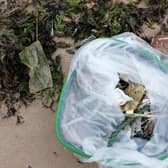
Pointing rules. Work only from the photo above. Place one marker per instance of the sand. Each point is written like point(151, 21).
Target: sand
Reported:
point(33, 144)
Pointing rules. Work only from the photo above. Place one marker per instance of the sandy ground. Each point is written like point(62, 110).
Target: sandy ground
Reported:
point(33, 144)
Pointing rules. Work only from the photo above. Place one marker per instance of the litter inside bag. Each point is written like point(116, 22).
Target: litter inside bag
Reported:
point(114, 104)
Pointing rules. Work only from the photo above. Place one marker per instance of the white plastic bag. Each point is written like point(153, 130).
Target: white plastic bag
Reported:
point(89, 109)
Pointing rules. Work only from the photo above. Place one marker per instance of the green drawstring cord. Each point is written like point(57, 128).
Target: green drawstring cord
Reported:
point(123, 125)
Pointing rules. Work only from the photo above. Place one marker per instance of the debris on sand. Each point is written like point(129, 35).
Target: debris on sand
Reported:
point(40, 76)
point(24, 22)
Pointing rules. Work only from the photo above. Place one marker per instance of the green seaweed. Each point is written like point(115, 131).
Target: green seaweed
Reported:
point(115, 27)
point(59, 21)
point(73, 3)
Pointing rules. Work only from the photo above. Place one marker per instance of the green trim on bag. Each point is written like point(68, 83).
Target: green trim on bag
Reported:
point(154, 58)
point(119, 41)
point(56, 126)
point(164, 156)
point(58, 109)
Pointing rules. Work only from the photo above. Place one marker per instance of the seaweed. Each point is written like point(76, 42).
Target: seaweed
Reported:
point(18, 30)
point(74, 18)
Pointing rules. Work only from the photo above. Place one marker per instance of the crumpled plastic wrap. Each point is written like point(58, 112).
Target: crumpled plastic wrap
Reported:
point(35, 59)
point(90, 109)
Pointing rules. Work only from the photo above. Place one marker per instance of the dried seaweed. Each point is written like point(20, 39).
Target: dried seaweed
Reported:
point(19, 29)
point(74, 18)
point(105, 19)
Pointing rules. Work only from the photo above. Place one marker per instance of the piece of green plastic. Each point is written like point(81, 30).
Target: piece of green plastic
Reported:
point(35, 59)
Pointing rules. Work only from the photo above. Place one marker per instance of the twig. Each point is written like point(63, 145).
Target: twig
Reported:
point(36, 15)
point(147, 115)
point(12, 12)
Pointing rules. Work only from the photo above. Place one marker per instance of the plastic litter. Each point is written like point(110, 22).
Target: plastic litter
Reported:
point(89, 108)
point(35, 59)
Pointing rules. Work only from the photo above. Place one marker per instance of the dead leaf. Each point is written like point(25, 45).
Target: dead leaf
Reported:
point(137, 92)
